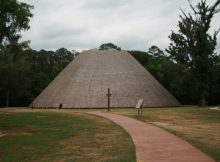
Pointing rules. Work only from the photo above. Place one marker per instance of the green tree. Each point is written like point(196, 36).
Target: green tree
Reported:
point(107, 46)
point(142, 57)
point(45, 66)
point(157, 63)
point(14, 17)
point(14, 74)
point(215, 83)
point(62, 57)
point(156, 52)
point(194, 47)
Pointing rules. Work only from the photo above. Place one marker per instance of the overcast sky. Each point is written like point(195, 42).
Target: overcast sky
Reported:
point(86, 24)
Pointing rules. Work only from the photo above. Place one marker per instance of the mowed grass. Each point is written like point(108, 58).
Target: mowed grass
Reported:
point(51, 136)
point(199, 126)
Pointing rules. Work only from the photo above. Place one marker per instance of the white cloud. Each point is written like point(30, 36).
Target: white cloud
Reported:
point(85, 24)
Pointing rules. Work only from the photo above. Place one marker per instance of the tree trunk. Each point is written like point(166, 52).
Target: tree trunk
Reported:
point(203, 101)
point(7, 98)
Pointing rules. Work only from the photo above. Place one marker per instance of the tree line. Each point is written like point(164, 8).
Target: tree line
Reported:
point(189, 68)
point(25, 77)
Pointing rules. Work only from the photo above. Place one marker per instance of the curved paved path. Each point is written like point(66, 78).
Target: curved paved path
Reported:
point(154, 144)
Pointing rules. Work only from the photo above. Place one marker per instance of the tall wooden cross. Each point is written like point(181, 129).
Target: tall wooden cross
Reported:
point(109, 95)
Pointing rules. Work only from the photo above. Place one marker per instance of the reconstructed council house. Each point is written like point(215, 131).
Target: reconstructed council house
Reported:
point(85, 81)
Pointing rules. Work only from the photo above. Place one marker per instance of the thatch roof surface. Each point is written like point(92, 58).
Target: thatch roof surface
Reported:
point(84, 83)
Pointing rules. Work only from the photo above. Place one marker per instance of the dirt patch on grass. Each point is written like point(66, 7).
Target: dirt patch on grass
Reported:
point(2, 134)
point(215, 108)
point(23, 131)
point(88, 146)
point(91, 145)
point(16, 132)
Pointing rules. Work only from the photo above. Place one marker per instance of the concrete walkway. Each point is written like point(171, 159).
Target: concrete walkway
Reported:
point(154, 144)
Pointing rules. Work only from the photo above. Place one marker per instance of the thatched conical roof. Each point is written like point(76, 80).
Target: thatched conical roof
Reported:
point(84, 83)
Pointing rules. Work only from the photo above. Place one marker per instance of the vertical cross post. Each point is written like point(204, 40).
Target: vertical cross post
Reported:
point(109, 95)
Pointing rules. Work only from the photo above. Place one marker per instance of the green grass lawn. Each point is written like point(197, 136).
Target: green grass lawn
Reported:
point(51, 136)
point(199, 126)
